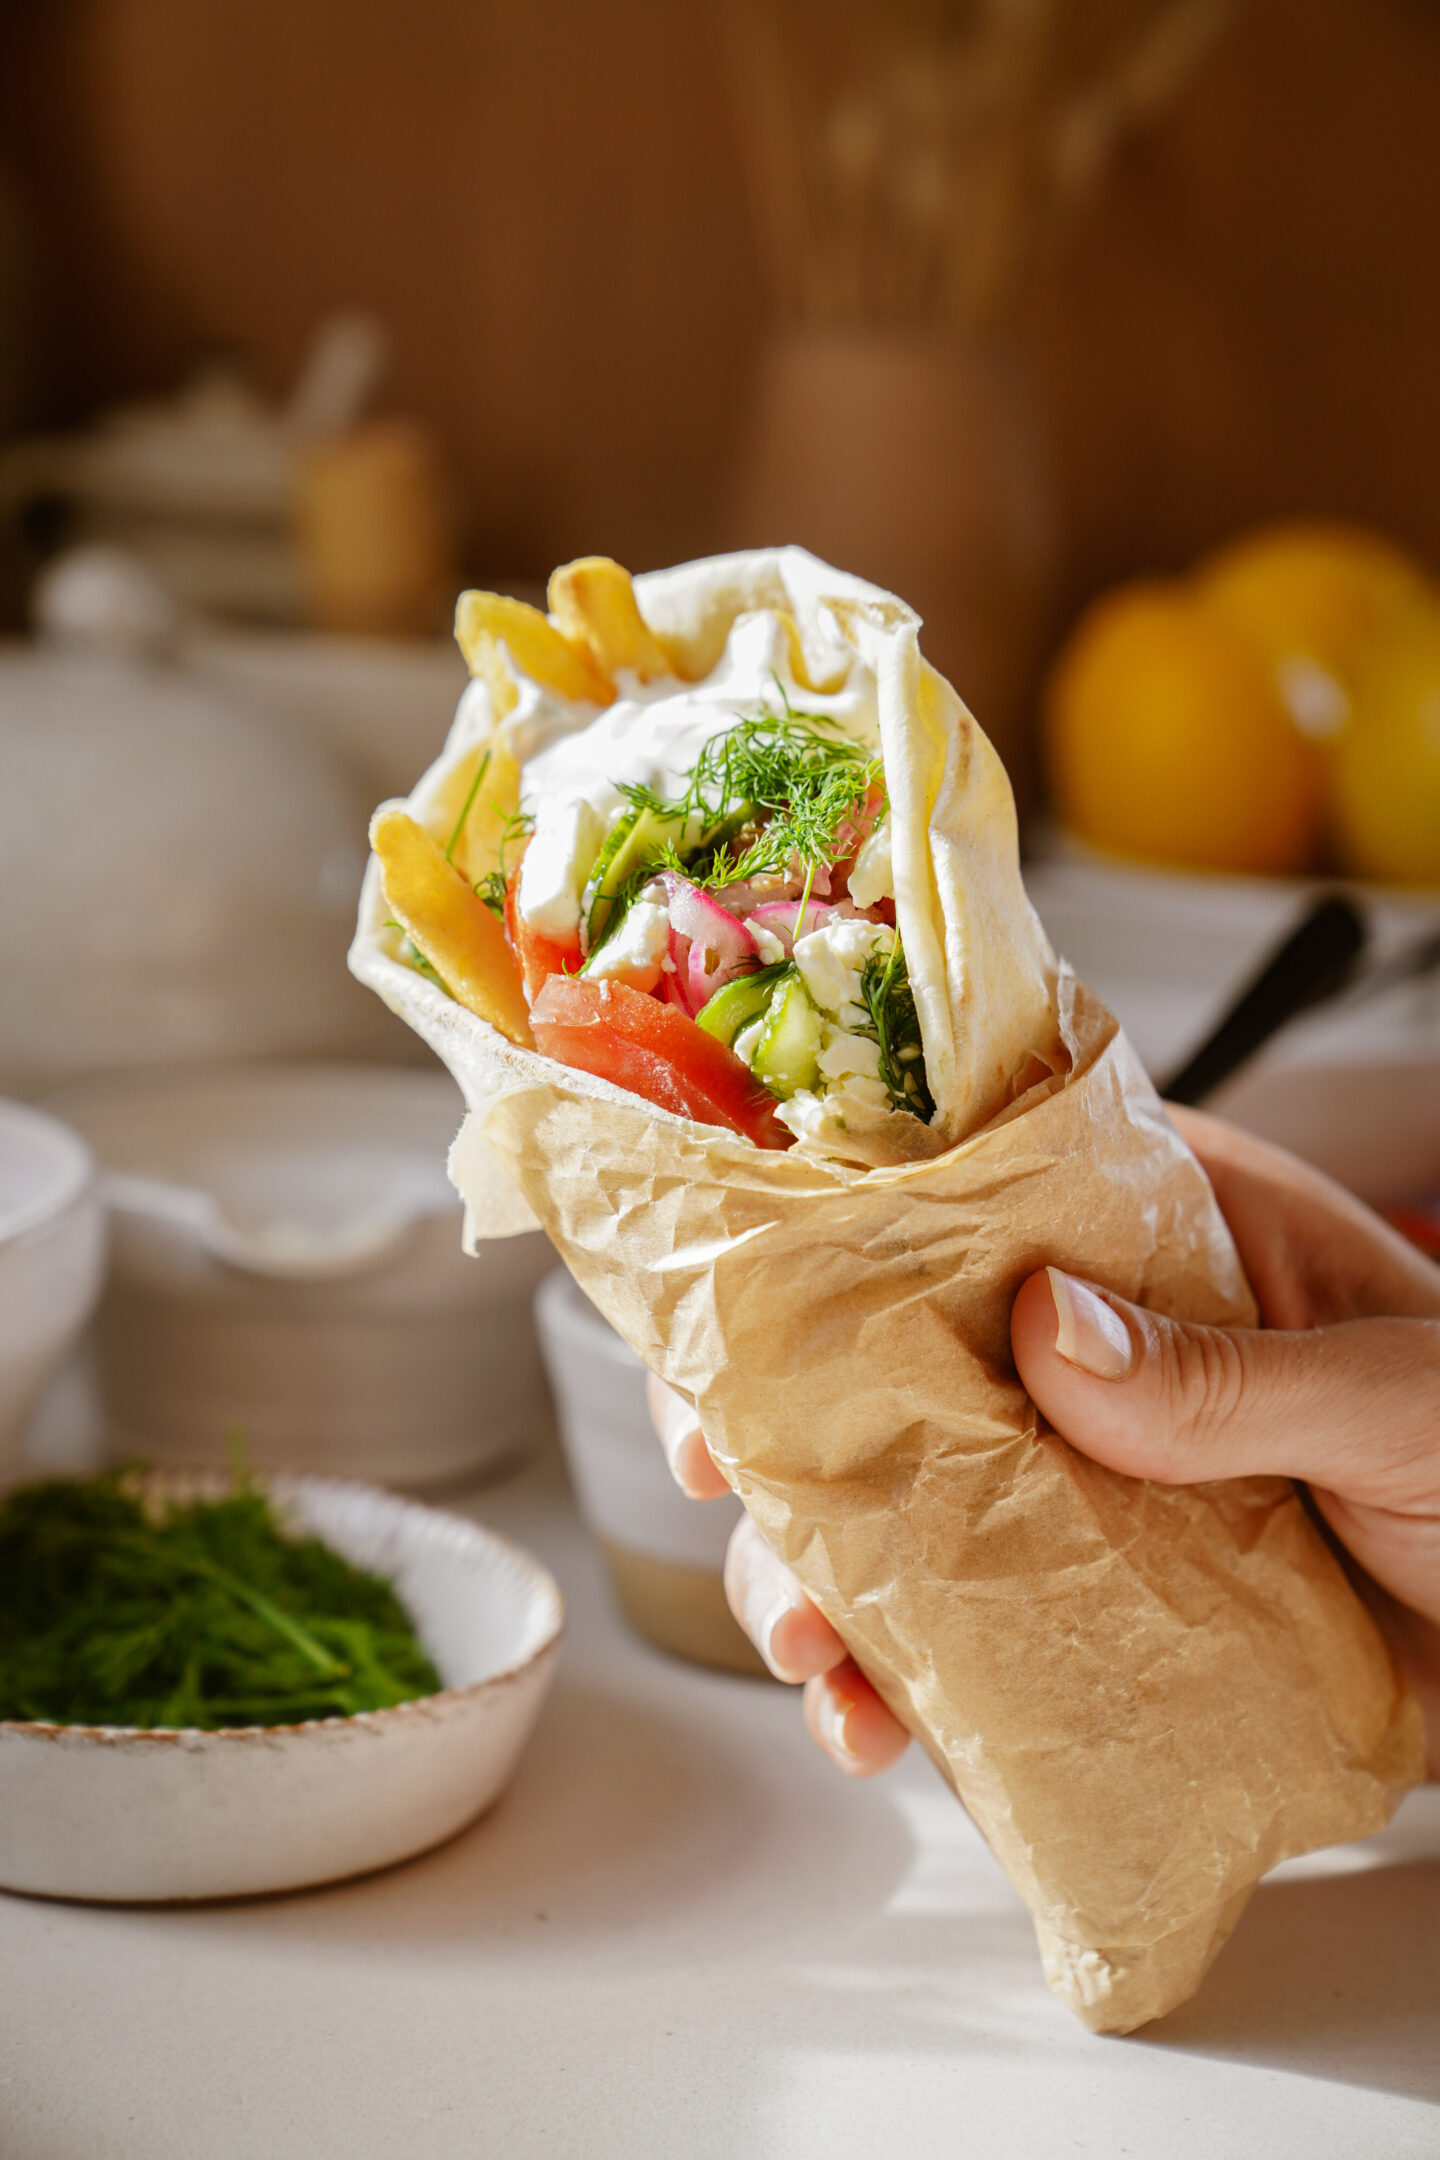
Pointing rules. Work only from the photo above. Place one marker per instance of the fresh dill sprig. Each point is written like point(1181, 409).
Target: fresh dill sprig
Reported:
point(201, 1614)
point(787, 780)
point(895, 1026)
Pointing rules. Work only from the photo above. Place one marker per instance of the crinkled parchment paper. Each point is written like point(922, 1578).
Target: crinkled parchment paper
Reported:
point(1145, 1696)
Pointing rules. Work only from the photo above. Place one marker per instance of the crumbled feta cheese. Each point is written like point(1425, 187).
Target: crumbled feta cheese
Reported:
point(636, 952)
point(873, 877)
point(559, 858)
point(846, 1057)
point(831, 961)
point(747, 1042)
point(770, 948)
point(813, 1117)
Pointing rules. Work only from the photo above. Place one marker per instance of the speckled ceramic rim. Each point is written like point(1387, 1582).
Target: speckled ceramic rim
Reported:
point(72, 1176)
point(200, 1484)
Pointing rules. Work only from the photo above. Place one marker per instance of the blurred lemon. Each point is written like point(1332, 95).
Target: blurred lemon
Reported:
point(1166, 737)
point(1315, 597)
point(1385, 767)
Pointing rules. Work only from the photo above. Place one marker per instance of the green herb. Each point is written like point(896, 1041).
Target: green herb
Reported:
point(204, 1614)
point(895, 1026)
point(480, 771)
point(789, 779)
point(491, 889)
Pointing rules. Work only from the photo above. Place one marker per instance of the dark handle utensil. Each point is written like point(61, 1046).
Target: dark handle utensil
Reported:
point(1317, 959)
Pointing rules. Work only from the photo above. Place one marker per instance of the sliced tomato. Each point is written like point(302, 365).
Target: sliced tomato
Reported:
point(540, 957)
point(654, 1050)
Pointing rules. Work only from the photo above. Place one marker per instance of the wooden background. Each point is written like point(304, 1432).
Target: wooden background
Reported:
point(544, 201)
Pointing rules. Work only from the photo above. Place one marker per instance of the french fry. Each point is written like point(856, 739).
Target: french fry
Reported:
point(449, 925)
point(593, 600)
point(486, 622)
point(472, 813)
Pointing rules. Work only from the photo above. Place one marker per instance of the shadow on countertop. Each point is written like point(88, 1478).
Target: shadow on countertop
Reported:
point(1334, 1968)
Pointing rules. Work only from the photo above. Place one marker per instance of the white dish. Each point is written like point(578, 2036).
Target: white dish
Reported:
point(52, 1257)
point(121, 1815)
point(288, 1263)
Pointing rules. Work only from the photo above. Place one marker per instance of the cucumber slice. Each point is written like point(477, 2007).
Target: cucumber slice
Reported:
point(740, 1002)
point(640, 838)
point(790, 1047)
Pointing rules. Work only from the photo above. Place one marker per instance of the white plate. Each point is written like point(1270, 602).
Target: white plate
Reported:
point(121, 1815)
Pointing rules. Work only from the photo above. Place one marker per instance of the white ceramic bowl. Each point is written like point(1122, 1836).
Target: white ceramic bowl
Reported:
point(120, 1815)
point(52, 1257)
point(665, 1554)
point(287, 1261)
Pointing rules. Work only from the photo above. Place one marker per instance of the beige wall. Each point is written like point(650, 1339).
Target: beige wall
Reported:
point(544, 200)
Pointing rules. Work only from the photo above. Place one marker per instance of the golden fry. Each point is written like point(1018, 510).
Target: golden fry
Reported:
point(472, 813)
point(484, 622)
point(459, 936)
point(593, 600)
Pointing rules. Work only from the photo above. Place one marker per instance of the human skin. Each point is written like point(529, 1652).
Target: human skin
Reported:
point(1340, 1388)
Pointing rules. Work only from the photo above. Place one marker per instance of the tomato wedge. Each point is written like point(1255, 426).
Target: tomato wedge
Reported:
point(654, 1050)
point(540, 957)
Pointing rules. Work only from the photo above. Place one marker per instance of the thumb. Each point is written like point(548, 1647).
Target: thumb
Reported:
point(1353, 1408)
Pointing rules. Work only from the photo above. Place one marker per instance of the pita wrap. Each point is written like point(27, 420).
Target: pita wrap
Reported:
point(1145, 1696)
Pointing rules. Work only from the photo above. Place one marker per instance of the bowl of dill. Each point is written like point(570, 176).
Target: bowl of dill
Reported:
point(217, 1688)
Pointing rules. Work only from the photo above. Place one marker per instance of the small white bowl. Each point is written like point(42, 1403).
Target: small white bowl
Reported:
point(287, 1261)
point(120, 1815)
point(52, 1259)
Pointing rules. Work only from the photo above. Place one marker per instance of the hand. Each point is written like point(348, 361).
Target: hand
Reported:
point(1343, 1390)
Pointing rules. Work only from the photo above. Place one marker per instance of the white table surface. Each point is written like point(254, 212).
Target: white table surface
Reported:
point(682, 1934)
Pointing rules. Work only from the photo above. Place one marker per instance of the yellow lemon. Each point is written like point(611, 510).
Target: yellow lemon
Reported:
point(1314, 596)
point(1386, 765)
point(1166, 738)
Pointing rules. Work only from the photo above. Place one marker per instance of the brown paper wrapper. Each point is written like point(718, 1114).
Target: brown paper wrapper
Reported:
point(1145, 1696)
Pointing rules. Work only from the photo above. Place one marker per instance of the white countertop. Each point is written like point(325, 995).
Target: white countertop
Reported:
point(682, 1934)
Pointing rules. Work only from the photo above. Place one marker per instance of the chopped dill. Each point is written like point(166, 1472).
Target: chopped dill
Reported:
point(116, 1611)
point(775, 787)
point(895, 1026)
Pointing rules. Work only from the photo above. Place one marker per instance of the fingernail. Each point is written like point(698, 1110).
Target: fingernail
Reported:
point(1089, 1333)
point(831, 1719)
point(762, 1617)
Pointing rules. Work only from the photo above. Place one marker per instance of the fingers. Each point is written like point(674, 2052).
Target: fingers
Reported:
point(844, 1715)
point(846, 1718)
point(792, 1635)
point(691, 1464)
point(1353, 1408)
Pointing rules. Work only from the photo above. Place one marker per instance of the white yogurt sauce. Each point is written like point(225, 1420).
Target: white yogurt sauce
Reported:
point(651, 736)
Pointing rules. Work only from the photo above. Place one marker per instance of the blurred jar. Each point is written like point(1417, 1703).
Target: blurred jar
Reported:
point(918, 463)
point(376, 532)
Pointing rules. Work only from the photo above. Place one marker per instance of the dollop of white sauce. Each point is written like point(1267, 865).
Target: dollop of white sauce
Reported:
point(555, 865)
point(652, 737)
